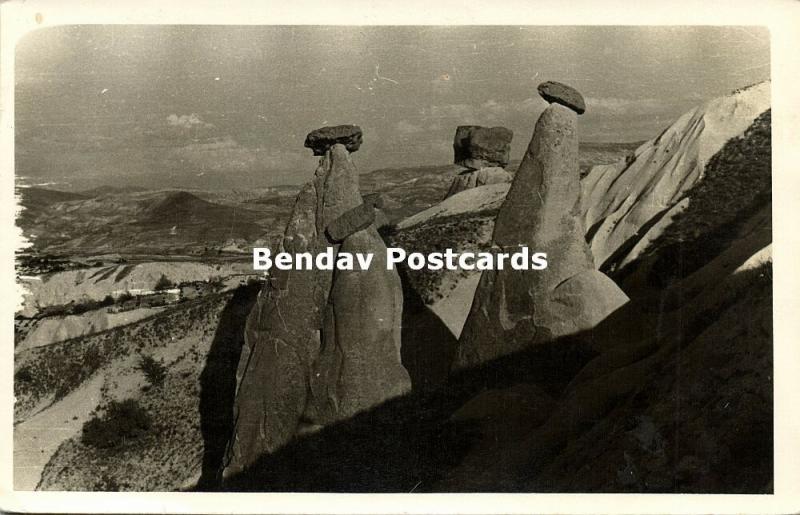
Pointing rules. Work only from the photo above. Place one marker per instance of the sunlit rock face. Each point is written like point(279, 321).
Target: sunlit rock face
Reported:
point(319, 346)
point(513, 309)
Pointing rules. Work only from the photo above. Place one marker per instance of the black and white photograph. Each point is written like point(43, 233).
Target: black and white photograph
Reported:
point(393, 259)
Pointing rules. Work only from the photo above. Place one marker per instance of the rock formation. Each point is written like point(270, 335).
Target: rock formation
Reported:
point(351, 221)
point(319, 347)
point(477, 147)
point(623, 201)
point(474, 178)
point(324, 138)
point(557, 93)
point(483, 151)
point(513, 309)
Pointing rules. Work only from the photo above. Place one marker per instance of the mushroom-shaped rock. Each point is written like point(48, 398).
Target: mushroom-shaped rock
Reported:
point(514, 309)
point(558, 93)
point(318, 346)
point(324, 138)
point(478, 147)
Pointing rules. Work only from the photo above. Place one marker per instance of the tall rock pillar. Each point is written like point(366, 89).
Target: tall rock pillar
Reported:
point(514, 309)
point(320, 345)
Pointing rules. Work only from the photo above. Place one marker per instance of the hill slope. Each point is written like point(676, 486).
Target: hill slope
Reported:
point(620, 199)
point(158, 222)
point(71, 382)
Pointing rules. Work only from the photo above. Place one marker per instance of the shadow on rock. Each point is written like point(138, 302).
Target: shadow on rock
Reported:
point(405, 444)
point(218, 384)
point(428, 346)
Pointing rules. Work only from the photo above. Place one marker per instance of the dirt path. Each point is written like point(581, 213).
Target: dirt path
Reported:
point(38, 438)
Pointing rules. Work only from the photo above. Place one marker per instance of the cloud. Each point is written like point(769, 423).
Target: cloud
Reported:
point(188, 121)
point(179, 129)
point(226, 155)
point(489, 112)
point(499, 111)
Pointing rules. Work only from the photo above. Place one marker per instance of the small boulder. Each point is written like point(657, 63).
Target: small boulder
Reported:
point(556, 92)
point(478, 147)
point(324, 138)
point(351, 221)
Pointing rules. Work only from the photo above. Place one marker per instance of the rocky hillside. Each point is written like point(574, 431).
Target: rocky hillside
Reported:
point(736, 186)
point(167, 366)
point(620, 201)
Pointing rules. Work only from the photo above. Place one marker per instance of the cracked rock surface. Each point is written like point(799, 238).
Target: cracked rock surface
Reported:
point(319, 347)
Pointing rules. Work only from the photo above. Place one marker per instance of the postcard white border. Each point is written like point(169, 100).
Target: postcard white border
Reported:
point(781, 17)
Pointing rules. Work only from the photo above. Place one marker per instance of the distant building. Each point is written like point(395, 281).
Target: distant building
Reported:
point(161, 298)
point(145, 299)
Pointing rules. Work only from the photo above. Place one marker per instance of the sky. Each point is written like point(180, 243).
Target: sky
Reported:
point(217, 107)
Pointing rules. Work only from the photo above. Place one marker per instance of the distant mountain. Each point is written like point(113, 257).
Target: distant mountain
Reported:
point(180, 208)
point(149, 222)
point(35, 200)
point(111, 190)
point(40, 197)
point(134, 220)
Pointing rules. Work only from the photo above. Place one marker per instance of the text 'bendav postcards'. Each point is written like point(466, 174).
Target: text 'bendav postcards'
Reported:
point(521, 259)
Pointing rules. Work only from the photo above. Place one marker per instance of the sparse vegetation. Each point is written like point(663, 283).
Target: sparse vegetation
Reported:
point(77, 371)
point(121, 421)
point(737, 182)
point(59, 368)
point(460, 232)
point(164, 457)
point(76, 308)
point(23, 375)
point(153, 370)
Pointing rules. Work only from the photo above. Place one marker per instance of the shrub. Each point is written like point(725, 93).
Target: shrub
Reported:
point(125, 296)
point(122, 420)
point(153, 370)
point(216, 283)
point(163, 283)
point(107, 483)
point(23, 375)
